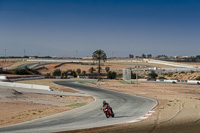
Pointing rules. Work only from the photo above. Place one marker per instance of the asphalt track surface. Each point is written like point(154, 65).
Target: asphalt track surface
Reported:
point(126, 108)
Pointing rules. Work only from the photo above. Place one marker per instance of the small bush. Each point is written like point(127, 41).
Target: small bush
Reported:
point(112, 75)
point(169, 74)
point(57, 72)
point(152, 75)
point(198, 78)
point(70, 72)
point(161, 78)
point(165, 74)
point(107, 69)
point(22, 72)
point(48, 74)
point(133, 75)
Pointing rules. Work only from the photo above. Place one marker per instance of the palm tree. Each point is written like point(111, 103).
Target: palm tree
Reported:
point(99, 55)
point(78, 71)
point(107, 69)
point(91, 70)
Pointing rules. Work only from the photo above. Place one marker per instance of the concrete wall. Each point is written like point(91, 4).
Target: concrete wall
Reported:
point(29, 78)
point(28, 86)
point(2, 77)
point(126, 74)
point(193, 81)
point(79, 60)
point(171, 63)
point(179, 69)
point(170, 81)
point(139, 79)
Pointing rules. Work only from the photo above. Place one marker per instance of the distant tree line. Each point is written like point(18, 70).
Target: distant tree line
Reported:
point(143, 56)
point(179, 59)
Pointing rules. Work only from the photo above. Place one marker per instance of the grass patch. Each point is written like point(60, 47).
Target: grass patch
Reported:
point(34, 113)
point(40, 111)
point(76, 105)
point(125, 82)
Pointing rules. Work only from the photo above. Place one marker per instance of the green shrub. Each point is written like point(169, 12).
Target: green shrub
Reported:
point(22, 72)
point(112, 75)
point(48, 74)
point(152, 75)
point(169, 74)
point(107, 69)
point(191, 71)
point(57, 72)
point(70, 72)
point(161, 78)
point(133, 75)
point(198, 78)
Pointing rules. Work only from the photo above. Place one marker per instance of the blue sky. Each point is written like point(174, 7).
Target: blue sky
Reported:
point(120, 27)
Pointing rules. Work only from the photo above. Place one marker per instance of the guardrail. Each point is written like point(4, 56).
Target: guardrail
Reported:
point(171, 63)
point(27, 86)
point(28, 78)
point(2, 77)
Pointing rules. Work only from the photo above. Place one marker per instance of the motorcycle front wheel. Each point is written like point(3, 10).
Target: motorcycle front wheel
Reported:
point(107, 115)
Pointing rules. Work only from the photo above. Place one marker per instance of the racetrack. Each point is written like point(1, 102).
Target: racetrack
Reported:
point(125, 106)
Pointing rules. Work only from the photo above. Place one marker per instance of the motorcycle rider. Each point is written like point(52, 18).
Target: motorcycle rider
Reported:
point(108, 106)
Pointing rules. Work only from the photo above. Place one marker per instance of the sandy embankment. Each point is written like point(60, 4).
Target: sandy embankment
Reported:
point(16, 107)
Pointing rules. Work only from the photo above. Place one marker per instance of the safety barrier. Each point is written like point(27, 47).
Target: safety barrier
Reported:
point(170, 81)
point(193, 81)
point(28, 86)
point(28, 78)
point(2, 77)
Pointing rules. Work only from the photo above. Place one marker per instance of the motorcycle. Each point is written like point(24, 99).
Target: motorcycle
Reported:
point(108, 111)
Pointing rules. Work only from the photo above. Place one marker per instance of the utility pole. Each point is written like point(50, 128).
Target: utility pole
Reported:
point(76, 53)
point(112, 54)
point(24, 52)
point(136, 71)
point(5, 55)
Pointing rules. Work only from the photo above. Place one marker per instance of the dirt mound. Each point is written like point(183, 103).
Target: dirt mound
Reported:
point(9, 93)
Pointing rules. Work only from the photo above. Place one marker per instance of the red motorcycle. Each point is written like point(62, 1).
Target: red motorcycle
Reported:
point(108, 111)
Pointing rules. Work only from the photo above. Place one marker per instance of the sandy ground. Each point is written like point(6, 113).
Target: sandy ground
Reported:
point(178, 110)
point(114, 66)
point(182, 76)
point(6, 63)
point(118, 66)
point(16, 107)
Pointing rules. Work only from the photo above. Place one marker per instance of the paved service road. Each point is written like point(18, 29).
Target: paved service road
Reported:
point(126, 108)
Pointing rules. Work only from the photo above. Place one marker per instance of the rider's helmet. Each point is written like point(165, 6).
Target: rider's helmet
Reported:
point(104, 102)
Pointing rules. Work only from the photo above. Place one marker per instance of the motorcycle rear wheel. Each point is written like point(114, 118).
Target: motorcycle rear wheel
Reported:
point(107, 115)
point(113, 115)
